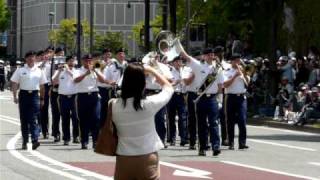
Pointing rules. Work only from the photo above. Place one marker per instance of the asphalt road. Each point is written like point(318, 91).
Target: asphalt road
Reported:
point(273, 154)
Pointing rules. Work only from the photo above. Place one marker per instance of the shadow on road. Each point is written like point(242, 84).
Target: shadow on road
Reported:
point(287, 137)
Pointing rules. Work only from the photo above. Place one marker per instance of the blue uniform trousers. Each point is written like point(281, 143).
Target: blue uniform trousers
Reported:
point(236, 113)
point(223, 124)
point(44, 116)
point(161, 123)
point(55, 113)
point(106, 94)
point(88, 109)
point(192, 127)
point(29, 108)
point(103, 92)
point(207, 112)
point(177, 105)
point(68, 110)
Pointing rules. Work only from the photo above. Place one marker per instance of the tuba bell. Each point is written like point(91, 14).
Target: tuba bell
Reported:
point(169, 45)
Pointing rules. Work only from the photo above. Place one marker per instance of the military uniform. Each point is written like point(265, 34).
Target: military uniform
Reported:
point(29, 80)
point(176, 105)
point(153, 87)
point(207, 106)
point(67, 93)
point(236, 108)
point(88, 106)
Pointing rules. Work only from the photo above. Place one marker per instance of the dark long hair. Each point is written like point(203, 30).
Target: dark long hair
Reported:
point(133, 84)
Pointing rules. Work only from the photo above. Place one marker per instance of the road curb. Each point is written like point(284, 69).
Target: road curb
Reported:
point(283, 125)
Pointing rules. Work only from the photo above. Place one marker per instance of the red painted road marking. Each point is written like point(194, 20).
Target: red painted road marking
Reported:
point(220, 171)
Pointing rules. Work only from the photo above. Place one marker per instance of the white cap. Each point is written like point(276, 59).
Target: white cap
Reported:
point(1, 61)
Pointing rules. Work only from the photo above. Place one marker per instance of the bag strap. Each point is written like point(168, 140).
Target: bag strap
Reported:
point(108, 121)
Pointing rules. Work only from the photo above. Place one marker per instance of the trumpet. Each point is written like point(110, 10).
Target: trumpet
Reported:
point(248, 67)
point(99, 64)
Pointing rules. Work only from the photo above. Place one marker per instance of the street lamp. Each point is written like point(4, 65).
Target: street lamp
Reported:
point(51, 16)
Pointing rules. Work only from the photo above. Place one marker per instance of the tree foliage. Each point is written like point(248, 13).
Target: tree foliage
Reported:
point(65, 35)
point(138, 31)
point(4, 16)
point(112, 40)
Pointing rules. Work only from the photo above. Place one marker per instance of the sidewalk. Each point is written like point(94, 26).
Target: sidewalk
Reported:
point(268, 121)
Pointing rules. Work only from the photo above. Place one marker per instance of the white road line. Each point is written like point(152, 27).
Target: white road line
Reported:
point(270, 170)
point(10, 118)
point(10, 121)
point(315, 163)
point(16, 154)
point(282, 145)
point(67, 166)
point(11, 148)
point(283, 130)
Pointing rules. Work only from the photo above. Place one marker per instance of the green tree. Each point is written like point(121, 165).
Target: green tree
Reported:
point(138, 31)
point(66, 35)
point(4, 16)
point(112, 40)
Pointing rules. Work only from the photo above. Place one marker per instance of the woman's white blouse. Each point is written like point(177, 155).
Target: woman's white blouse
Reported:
point(136, 130)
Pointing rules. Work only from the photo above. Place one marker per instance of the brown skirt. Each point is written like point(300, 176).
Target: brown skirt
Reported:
point(144, 167)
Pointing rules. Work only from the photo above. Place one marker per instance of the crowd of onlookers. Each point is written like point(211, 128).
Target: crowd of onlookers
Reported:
point(295, 78)
point(298, 88)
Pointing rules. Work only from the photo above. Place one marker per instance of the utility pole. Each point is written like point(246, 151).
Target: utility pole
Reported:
point(188, 25)
point(91, 25)
point(79, 32)
point(165, 14)
point(147, 25)
point(65, 9)
point(21, 29)
point(173, 15)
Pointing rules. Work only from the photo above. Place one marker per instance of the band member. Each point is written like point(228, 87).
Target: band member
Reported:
point(88, 102)
point(54, 99)
point(236, 102)
point(152, 87)
point(30, 79)
point(219, 56)
point(2, 75)
point(105, 88)
point(64, 76)
point(206, 104)
point(177, 104)
point(45, 66)
point(188, 79)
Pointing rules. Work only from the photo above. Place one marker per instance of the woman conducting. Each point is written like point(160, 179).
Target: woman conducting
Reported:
point(133, 115)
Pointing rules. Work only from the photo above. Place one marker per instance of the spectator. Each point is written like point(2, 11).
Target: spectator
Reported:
point(134, 119)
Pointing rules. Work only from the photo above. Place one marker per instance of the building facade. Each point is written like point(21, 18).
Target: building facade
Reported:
point(109, 15)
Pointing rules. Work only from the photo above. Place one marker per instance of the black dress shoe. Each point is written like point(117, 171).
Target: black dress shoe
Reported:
point(231, 147)
point(76, 141)
point(45, 136)
point(66, 143)
point(183, 143)
point(84, 146)
point(192, 147)
point(172, 144)
point(57, 138)
point(216, 152)
point(94, 144)
point(202, 152)
point(24, 146)
point(243, 147)
point(35, 145)
point(224, 143)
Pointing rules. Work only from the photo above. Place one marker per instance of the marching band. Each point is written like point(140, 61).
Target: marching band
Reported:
point(209, 92)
